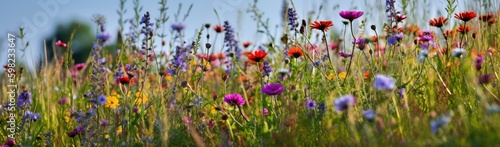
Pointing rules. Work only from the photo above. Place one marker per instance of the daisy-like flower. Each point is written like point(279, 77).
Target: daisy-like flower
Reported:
point(323, 25)
point(294, 52)
point(457, 52)
point(438, 22)
point(257, 56)
point(487, 17)
point(234, 99)
point(310, 104)
point(465, 16)
point(112, 101)
point(60, 43)
point(400, 17)
point(272, 89)
point(343, 102)
point(463, 29)
point(383, 82)
point(350, 15)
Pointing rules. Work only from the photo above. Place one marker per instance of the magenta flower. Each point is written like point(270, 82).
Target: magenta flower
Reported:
point(350, 15)
point(272, 89)
point(234, 99)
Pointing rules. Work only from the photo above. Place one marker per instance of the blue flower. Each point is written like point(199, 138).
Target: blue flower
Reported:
point(31, 115)
point(292, 18)
point(369, 114)
point(343, 102)
point(178, 27)
point(310, 104)
point(198, 101)
point(267, 69)
point(423, 54)
point(439, 123)
point(101, 99)
point(102, 37)
point(24, 98)
point(384, 82)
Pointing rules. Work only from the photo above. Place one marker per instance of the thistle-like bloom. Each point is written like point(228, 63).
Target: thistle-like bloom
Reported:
point(369, 114)
point(23, 99)
point(60, 43)
point(360, 43)
point(383, 82)
point(345, 55)
point(103, 37)
point(478, 62)
point(266, 69)
point(178, 26)
point(323, 25)
point(272, 89)
point(292, 18)
point(465, 16)
point(350, 15)
point(234, 99)
point(257, 56)
point(463, 29)
point(343, 102)
point(310, 104)
point(438, 22)
point(457, 52)
point(101, 99)
point(294, 52)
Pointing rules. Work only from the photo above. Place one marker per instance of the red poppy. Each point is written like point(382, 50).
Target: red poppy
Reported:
point(257, 55)
point(246, 44)
point(466, 16)
point(438, 22)
point(218, 28)
point(464, 29)
point(487, 17)
point(449, 33)
point(60, 43)
point(322, 25)
point(294, 52)
point(400, 17)
point(124, 80)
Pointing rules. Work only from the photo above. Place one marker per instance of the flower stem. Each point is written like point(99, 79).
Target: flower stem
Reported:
point(352, 54)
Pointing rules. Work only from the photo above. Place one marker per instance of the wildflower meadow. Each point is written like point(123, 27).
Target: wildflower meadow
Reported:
point(373, 76)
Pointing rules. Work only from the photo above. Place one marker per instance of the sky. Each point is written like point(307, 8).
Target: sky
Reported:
point(39, 17)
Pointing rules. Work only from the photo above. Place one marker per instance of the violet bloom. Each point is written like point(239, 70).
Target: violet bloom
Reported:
point(104, 123)
point(79, 66)
point(360, 42)
point(63, 101)
point(23, 99)
point(369, 114)
point(350, 15)
point(267, 69)
point(266, 112)
point(234, 99)
point(478, 62)
point(31, 115)
point(485, 79)
point(310, 104)
point(178, 27)
point(384, 82)
point(439, 123)
point(272, 89)
point(343, 102)
point(101, 99)
point(292, 18)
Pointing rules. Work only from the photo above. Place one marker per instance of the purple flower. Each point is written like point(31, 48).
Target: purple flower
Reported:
point(102, 37)
point(401, 92)
point(343, 102)
point(234, 99)
point(79, 129)
point(369, 114)
point(267, 69)
point(104, 123)
point(485, 79)
point(198, 101)
point(62, 101)
point(266, 112)
point(272, 89)
point(384, 82)
point(31, 115)
point(360, 42)
point(101, 99)
point(350, 15)
point(292, 18)
point(478, 62)
point(439, 123)
point(180, 58)
point(24, 98)
point(178, 27)
point(310, 104)
point(345, 55)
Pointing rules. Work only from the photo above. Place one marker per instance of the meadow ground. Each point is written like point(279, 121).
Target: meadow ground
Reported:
point(309, 86)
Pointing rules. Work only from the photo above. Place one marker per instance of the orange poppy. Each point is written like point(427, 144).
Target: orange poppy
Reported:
point(439, 22)
point(294, 52)
point(466, 16)
point(463, 29)
point(257, 55)
point(322, 25)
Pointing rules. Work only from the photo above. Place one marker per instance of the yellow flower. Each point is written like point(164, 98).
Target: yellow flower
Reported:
point(342, 75)
point(169, 78)
point(331, 76)
point(112, 102)
point(448, 64)
point(106, 136)
point(206, 64)
point(66, 116)
point(193, 62)
point(119, 131)
point(141, 98)
point(213, 111)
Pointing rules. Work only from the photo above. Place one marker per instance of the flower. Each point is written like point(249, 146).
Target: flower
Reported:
point(178, 27)
point(485, 79)
point(112, 101)
point(272, 89)
point(198, 101)
point(267, 69)
point(342, 75)
point(247, 44)
point(140, 98)
point(218, 28)
point(478, 62)
point(310, 104)
point(360, 43)
point(383, 82)
point(234, 99)
point(465, 16)
point(292, 18)
point(463, 29)
point(323, 25)
point(24, 98)
point(101, 99)
point(343, 102)
point(439, 22)
point(60, 43)
point(266, 112)
point(457, 52)
point(63, 101)
point(345, 55)
point(9, 142)
point(350, 15)
point(369, 114)
point(102, 37)
point(31, 115)
point(487, 17)
point(294, 52)
point(400, 17)
point(79, 66)
point(440, 122)
point(257, 56)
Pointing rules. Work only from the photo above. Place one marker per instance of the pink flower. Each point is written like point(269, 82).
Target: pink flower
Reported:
point(350, 15)
point(60, 43)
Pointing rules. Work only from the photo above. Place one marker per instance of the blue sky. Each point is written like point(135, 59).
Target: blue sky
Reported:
point(40, 22)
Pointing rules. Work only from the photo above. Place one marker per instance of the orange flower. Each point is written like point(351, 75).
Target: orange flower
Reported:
point(366, 75)
point(294, 52)
point(449, 33)
point(257, 55)
point(322, 25)
point(439, 22)
point(374, 38)
point(465, 16)
point(464, 29)
point(246, 44)
point(218, 28)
